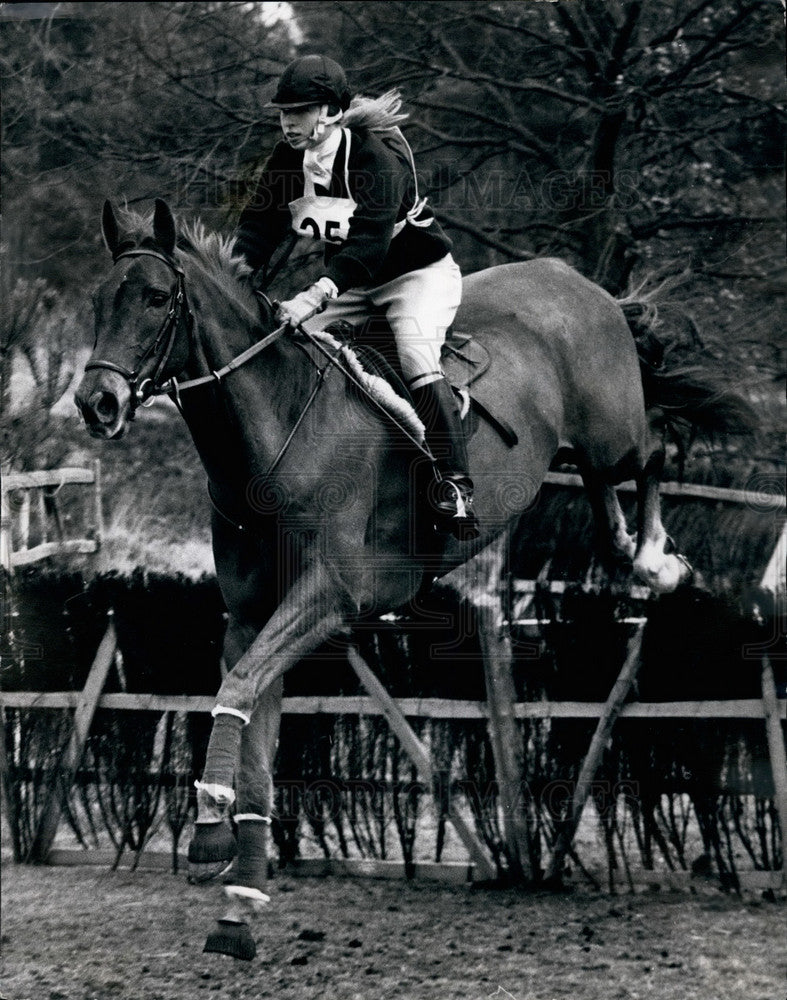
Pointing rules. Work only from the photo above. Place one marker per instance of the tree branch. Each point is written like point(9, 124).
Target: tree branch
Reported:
point(515, 253)
point(507, 126)
point(644, 230)
point(550, 42)
point(698, 58)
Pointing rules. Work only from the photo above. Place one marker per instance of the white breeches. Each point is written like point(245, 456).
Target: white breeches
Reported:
point(420, 306)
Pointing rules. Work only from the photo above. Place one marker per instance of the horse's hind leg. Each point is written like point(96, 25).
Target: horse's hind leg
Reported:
point(658, 569)
point(616, 546)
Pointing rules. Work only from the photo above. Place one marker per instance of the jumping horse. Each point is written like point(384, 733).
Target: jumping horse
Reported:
point(316, 524)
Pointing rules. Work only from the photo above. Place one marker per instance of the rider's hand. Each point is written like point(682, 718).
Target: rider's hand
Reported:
point(303, 306)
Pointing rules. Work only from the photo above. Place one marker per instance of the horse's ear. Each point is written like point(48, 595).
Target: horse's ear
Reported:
point(109, 228)
point(164, 228)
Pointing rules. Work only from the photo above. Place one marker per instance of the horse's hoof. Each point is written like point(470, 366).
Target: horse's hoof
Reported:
point(665, 578)
point(233, 938)
point(212, 843)
point(690, 574)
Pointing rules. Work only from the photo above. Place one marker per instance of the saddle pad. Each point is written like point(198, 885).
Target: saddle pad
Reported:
point(377, 364)
point(464, 361)
point(376, 380)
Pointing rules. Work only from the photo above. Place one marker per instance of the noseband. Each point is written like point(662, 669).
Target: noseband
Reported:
point(144, 390)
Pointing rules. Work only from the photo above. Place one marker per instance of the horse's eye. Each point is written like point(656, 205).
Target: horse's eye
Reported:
point(158, 298)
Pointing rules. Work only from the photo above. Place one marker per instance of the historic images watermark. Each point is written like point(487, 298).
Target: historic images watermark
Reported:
point(206, 185)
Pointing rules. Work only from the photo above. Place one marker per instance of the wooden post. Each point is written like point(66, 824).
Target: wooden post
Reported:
point(61, 782)
point(773, 728)
point(617, 696)
point(42, 516)
point(505, 735)
point(24, 521)
point(479, 583)
point(420, 757)
point(99, 514)
point(5, 529)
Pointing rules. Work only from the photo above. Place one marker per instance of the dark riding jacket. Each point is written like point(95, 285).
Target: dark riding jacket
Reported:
point(382, 185)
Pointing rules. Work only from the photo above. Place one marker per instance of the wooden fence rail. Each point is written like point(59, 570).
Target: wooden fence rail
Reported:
point(12, 557)
point(696, 491)
point(424, 708)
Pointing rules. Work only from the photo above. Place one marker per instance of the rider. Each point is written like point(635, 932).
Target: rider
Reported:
point(344, 175)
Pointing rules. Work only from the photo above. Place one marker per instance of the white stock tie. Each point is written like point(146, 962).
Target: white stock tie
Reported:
point(318, 162)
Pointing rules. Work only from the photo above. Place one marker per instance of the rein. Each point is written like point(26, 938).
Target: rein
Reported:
point(173, 386)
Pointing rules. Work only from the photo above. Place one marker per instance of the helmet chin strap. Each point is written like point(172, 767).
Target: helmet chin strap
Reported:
point(324, 119)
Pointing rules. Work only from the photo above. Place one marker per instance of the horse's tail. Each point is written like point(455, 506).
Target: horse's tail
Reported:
point(684, 383)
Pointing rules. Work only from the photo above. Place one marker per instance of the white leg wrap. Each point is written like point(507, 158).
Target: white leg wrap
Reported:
point(223, 710)
point(246, 895)
point(222, 795)
point(255, 817)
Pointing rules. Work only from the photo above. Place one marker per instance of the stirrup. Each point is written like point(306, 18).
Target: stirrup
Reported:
point(461, 499)
point(454, 511)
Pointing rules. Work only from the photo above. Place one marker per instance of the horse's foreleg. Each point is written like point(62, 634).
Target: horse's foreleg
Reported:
point(213, 843)
point(254, 809)
point(316, 609)
point(254, 780)
point(245, 729)
point(663, 572)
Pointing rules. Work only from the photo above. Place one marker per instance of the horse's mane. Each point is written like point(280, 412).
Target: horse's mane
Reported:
point(215, 251)
point(377, 114)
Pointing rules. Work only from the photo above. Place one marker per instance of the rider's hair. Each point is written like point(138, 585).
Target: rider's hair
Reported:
point(377, 114)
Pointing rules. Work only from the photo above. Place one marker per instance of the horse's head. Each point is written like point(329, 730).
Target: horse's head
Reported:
point(141, 325)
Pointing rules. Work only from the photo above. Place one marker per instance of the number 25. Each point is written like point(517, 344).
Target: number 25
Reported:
point(330, 230)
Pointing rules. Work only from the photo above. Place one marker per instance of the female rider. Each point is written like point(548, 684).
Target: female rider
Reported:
point(344, 175)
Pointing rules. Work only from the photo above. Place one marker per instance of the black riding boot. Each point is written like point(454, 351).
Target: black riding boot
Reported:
point(451, 494)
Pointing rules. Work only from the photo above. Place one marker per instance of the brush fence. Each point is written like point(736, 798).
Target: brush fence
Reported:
point(107, 689)
point(683, 789)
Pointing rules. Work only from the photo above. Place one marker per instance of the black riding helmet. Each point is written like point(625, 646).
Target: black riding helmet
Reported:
point(312, 80)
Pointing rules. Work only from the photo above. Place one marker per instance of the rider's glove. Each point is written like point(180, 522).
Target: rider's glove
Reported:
point(306, 304)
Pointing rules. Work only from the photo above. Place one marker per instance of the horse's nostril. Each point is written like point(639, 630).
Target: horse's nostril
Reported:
point(105, 406)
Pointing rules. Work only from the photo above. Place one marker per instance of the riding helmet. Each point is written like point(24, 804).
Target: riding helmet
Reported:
point(312, 80)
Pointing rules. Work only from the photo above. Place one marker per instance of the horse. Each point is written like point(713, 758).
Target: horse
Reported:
point(317, 524)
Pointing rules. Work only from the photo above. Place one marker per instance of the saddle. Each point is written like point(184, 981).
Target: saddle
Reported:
point(463, 358)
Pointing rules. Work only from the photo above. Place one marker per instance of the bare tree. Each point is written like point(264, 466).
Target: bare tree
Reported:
point(588, 130)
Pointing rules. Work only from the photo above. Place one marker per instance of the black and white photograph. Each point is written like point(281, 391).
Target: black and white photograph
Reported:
point(392, 500)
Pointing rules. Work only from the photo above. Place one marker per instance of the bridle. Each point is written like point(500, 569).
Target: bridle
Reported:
point(144, 389)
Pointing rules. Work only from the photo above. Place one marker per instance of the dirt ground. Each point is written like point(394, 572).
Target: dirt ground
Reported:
point(93, 934)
